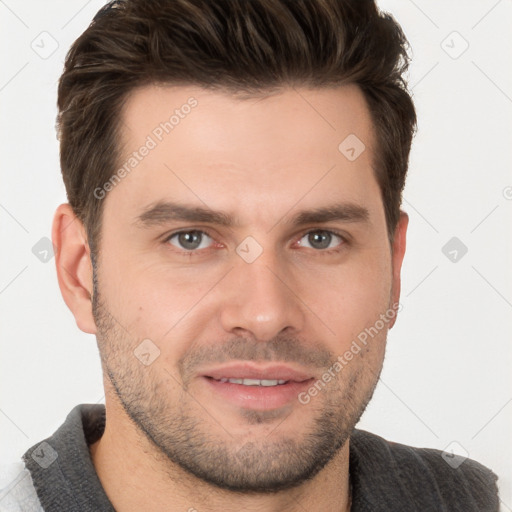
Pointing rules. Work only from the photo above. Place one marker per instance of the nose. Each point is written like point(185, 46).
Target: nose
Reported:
point(262, 299)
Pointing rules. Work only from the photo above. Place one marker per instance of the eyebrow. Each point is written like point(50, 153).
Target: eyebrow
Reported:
point(164, 212)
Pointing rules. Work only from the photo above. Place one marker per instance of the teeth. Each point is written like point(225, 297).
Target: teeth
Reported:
point(254, 382)
point(271, 382)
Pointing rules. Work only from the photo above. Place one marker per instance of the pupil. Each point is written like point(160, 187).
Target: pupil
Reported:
point(322, 239)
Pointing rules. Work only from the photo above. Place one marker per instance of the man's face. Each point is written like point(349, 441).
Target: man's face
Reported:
point(260, 292)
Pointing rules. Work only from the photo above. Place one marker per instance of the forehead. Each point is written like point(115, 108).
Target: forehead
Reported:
point(212, 147)
point(220, 122)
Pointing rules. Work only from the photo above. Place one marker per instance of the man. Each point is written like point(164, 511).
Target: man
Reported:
point(234, 241)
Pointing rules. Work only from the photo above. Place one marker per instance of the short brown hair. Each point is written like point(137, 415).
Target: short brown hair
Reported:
point(239, 46)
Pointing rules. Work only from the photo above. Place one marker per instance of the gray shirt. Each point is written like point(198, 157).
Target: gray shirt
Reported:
point(58, 475)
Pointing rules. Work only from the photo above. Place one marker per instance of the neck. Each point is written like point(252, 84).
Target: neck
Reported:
point(136, 476)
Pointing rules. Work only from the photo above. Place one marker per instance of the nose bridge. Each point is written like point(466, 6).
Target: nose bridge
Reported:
point(261, 299)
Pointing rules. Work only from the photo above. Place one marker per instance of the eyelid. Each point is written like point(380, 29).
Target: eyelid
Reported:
point(344, 238)
point(203, 231)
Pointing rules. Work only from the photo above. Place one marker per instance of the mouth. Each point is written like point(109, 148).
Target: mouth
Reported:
point(256, 387)
point(254, 382)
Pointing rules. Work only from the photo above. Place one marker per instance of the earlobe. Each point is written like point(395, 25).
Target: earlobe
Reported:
point(74, 267)
point(399, 244)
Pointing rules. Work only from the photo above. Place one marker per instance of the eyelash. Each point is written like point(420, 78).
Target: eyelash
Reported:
point(197, 252)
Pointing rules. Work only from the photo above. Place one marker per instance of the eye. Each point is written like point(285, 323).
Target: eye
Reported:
point(322, 240)
point(190, 240)
point(193, 240)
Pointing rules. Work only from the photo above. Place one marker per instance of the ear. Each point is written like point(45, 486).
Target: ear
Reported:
point(74, 266)
point(398, 248)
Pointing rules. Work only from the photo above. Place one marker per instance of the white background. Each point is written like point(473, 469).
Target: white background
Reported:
point(447, 372)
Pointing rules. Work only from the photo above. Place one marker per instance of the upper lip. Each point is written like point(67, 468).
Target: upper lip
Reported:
point(254, 371)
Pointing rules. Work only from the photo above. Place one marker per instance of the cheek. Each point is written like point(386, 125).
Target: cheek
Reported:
point(152, 300)
point(168, 306)
point(352, 298)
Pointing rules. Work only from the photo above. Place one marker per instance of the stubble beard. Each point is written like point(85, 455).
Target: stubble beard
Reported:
point(185, 435)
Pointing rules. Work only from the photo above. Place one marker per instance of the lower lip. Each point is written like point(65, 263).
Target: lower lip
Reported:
point(258, 397)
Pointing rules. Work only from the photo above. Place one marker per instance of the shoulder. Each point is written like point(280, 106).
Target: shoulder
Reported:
point(424, 475)
point(17, 492)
